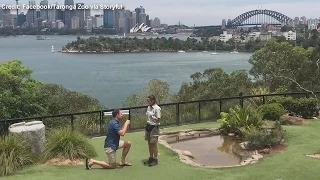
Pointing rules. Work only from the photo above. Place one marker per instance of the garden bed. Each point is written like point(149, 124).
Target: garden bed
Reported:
point(64, 162)
point(208, 148)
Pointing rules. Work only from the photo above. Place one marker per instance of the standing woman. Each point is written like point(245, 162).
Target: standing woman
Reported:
point(152, 129)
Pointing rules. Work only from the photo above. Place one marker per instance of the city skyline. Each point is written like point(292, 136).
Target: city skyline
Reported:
point(203, 12)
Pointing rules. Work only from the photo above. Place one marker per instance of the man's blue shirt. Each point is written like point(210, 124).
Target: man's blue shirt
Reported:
point(113, 138)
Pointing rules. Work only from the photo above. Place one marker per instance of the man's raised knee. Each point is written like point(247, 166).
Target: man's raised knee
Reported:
point(127, 144)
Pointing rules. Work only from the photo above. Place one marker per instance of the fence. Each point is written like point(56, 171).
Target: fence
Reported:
point(172, 114)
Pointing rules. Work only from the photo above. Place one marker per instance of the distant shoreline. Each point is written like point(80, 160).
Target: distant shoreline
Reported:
point(135, 51)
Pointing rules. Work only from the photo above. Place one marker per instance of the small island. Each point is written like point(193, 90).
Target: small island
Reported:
point(126, 44)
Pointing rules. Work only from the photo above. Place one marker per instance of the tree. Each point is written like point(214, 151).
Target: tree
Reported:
point(23, 96)
point(286, 66)
point(213, 83)
point(18, 91)
point(156, 87)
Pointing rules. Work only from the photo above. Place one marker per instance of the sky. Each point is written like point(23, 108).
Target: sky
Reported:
point(203, 12)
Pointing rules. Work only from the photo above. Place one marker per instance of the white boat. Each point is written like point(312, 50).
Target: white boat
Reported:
point(181, 51)
point(204, 51)
point(52, 49)
point(235, 50)
point(215, 51)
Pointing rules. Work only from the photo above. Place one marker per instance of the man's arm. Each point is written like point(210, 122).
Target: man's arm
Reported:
point(124, 129)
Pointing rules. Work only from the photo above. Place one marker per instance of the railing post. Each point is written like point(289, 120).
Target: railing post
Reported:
point(72, 124)
point(263, 100)
point(220, 105)
point(6, 128)
point(241, 99)
point(177, 114)
point(129, 128)
point(101, 121)
point(199, 111)
point(307, 95)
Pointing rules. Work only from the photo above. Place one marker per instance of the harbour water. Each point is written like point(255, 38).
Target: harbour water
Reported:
point(111, 78)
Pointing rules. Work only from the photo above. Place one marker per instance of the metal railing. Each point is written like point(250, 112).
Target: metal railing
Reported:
point(128, 111)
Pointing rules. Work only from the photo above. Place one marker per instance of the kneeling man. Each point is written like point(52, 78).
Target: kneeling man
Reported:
point(113, 143)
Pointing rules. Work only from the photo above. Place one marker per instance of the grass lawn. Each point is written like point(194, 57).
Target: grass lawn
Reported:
point(289, 164)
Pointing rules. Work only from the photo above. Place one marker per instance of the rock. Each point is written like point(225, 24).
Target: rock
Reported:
point(231, 134)
point(243, 145)
point(245, 162)
point(265, 151)
point(187, 153)
point(190, 133)
point(254, 161)
point(257, 156)
point(34, 132)
point(181, 134)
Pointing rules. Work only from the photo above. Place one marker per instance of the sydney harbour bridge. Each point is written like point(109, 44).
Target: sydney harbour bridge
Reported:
point(256, 17)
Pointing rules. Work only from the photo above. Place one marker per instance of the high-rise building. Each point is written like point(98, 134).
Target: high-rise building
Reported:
point(229, 22)
point(296, 20)
point(304, 20)
point(53, 25)
point(224, 23)
point(31, 14)
point(60, 24)
point(44, 12)
point(313, 23)
point(53, 15)
point(1, 13)
point(75, 22)
point(108, 18)
point(89, 23)
point(142, 18)
point(156, 23)
point(122, 25)
point(68, 14)
point(99, 19)
point(138, 11)
point(61, 15)
point(81, 14)
point(132, 20)
point(147, 20)
point(87, 13)
point(7, 19)
point(21, 19)
point(118, 13)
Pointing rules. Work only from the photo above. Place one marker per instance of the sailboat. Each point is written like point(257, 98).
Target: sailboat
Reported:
point(215, 50)
point(235, 50)
point(205, 50)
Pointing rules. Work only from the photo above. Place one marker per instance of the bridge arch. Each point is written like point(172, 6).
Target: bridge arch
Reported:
point(247, 15)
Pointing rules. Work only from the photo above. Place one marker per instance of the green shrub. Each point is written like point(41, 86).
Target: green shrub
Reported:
point(67, 144)
point(305, 107)
point(272, 111)
point(240, 118)
point(288, 103)
point(15, 152)
point(263, 138)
